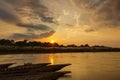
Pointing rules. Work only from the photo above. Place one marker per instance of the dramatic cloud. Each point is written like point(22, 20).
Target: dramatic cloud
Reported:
point(7, 14)
point(100, 13)
point(47, 34)
point(31, 35)
point(35, 27)
point(87, 4)
point(28, 8)
point(29, 14)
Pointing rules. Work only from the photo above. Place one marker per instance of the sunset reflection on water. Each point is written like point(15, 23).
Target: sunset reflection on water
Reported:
point(85, 66)
point(51, 58)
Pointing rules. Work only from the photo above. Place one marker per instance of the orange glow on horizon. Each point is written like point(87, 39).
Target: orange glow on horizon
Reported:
point(52, 41)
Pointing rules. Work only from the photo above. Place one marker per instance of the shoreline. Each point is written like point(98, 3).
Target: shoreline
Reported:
point(49, 50)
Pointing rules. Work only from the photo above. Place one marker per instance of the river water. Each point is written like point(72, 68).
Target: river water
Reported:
point(85, 66)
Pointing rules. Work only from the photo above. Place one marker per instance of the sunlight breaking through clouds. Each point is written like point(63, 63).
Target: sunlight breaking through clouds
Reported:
point(40, 19)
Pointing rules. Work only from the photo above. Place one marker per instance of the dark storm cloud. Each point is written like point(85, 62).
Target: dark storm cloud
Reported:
point(35, 27)
point(31, 35)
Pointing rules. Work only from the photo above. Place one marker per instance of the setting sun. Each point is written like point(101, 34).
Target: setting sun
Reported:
point(52, 41)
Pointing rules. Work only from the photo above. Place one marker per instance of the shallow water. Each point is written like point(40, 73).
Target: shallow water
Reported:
point(85, 66)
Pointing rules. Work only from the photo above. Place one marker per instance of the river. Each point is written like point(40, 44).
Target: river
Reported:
point(85, 66)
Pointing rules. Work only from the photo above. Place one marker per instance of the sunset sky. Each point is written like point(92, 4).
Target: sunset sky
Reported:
point(64, 21)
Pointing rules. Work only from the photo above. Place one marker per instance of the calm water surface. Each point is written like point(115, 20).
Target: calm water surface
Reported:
point(85, 66)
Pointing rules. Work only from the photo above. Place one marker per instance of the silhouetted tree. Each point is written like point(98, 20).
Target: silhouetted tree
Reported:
point(46, 44)
point(72, 45)
point(61, 45)
point(55, 45)
point(87, 45)
point(97, 46)
point(21, 43)
point(35, 43)
point(82, 46)
point(6, 42)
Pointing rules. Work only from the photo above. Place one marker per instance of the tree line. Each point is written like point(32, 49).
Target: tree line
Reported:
point(26, 43)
